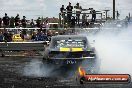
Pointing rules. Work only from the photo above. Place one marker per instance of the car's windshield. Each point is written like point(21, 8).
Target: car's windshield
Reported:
point(70, 43)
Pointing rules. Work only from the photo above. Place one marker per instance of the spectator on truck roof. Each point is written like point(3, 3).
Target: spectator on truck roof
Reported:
point(93, 15)
point(62, 10)
point(69, 12)
point(78, 8)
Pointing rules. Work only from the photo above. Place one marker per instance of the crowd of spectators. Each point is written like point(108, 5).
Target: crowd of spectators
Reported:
point(16, 22)
point(35, 36)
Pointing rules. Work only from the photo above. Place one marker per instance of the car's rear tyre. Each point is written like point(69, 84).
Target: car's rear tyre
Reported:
point(82, 79)
point(92, 65)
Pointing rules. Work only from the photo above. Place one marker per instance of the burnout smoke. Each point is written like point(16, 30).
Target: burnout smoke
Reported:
point(36, 68)
point(114, 49)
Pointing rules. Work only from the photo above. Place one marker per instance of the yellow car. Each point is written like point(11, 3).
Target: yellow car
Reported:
point(17, 38)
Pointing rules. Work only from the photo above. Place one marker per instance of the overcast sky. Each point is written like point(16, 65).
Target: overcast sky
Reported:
point(50, 8)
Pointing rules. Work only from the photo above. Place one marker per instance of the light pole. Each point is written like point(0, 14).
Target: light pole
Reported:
point(113, 9)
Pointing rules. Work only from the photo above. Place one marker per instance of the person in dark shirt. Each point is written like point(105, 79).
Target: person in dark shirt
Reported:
point(0, 22)
point(6, 20)
point(17, 20)
point(69, 12)
point(38, 21)
point(85, 22)
point(24, 22)
point(33, 36)
point(93, 15)
point(32, 25)
point(78, 8)
point(73, 22)
point(5, 36)
point(1, 37)
point(9, 37)
point(12, 21)
point(62, 10)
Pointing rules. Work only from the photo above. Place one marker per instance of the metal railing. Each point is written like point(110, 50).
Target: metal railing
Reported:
point(61, 22)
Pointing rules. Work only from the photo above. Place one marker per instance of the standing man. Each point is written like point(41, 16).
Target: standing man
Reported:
point(78, 11)
point(62, 10)
point(6, 20)
point(24, 22)
point(73, 22)
point(17, 20)
point(12, 21)
point(38, 22)
point(0, 22)
point(32, 24)
point(47, 26)
point(93, 15)
point(69, 12)
point(84, 20)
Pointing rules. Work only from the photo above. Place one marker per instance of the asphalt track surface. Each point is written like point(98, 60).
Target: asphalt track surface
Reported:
point(11, 76)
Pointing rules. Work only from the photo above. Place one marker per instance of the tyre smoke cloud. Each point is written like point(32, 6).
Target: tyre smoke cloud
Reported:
point(114, 49)
point(36, 68)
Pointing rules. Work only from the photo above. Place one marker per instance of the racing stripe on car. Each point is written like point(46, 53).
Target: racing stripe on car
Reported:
point(64, 49)
point(76, 49)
